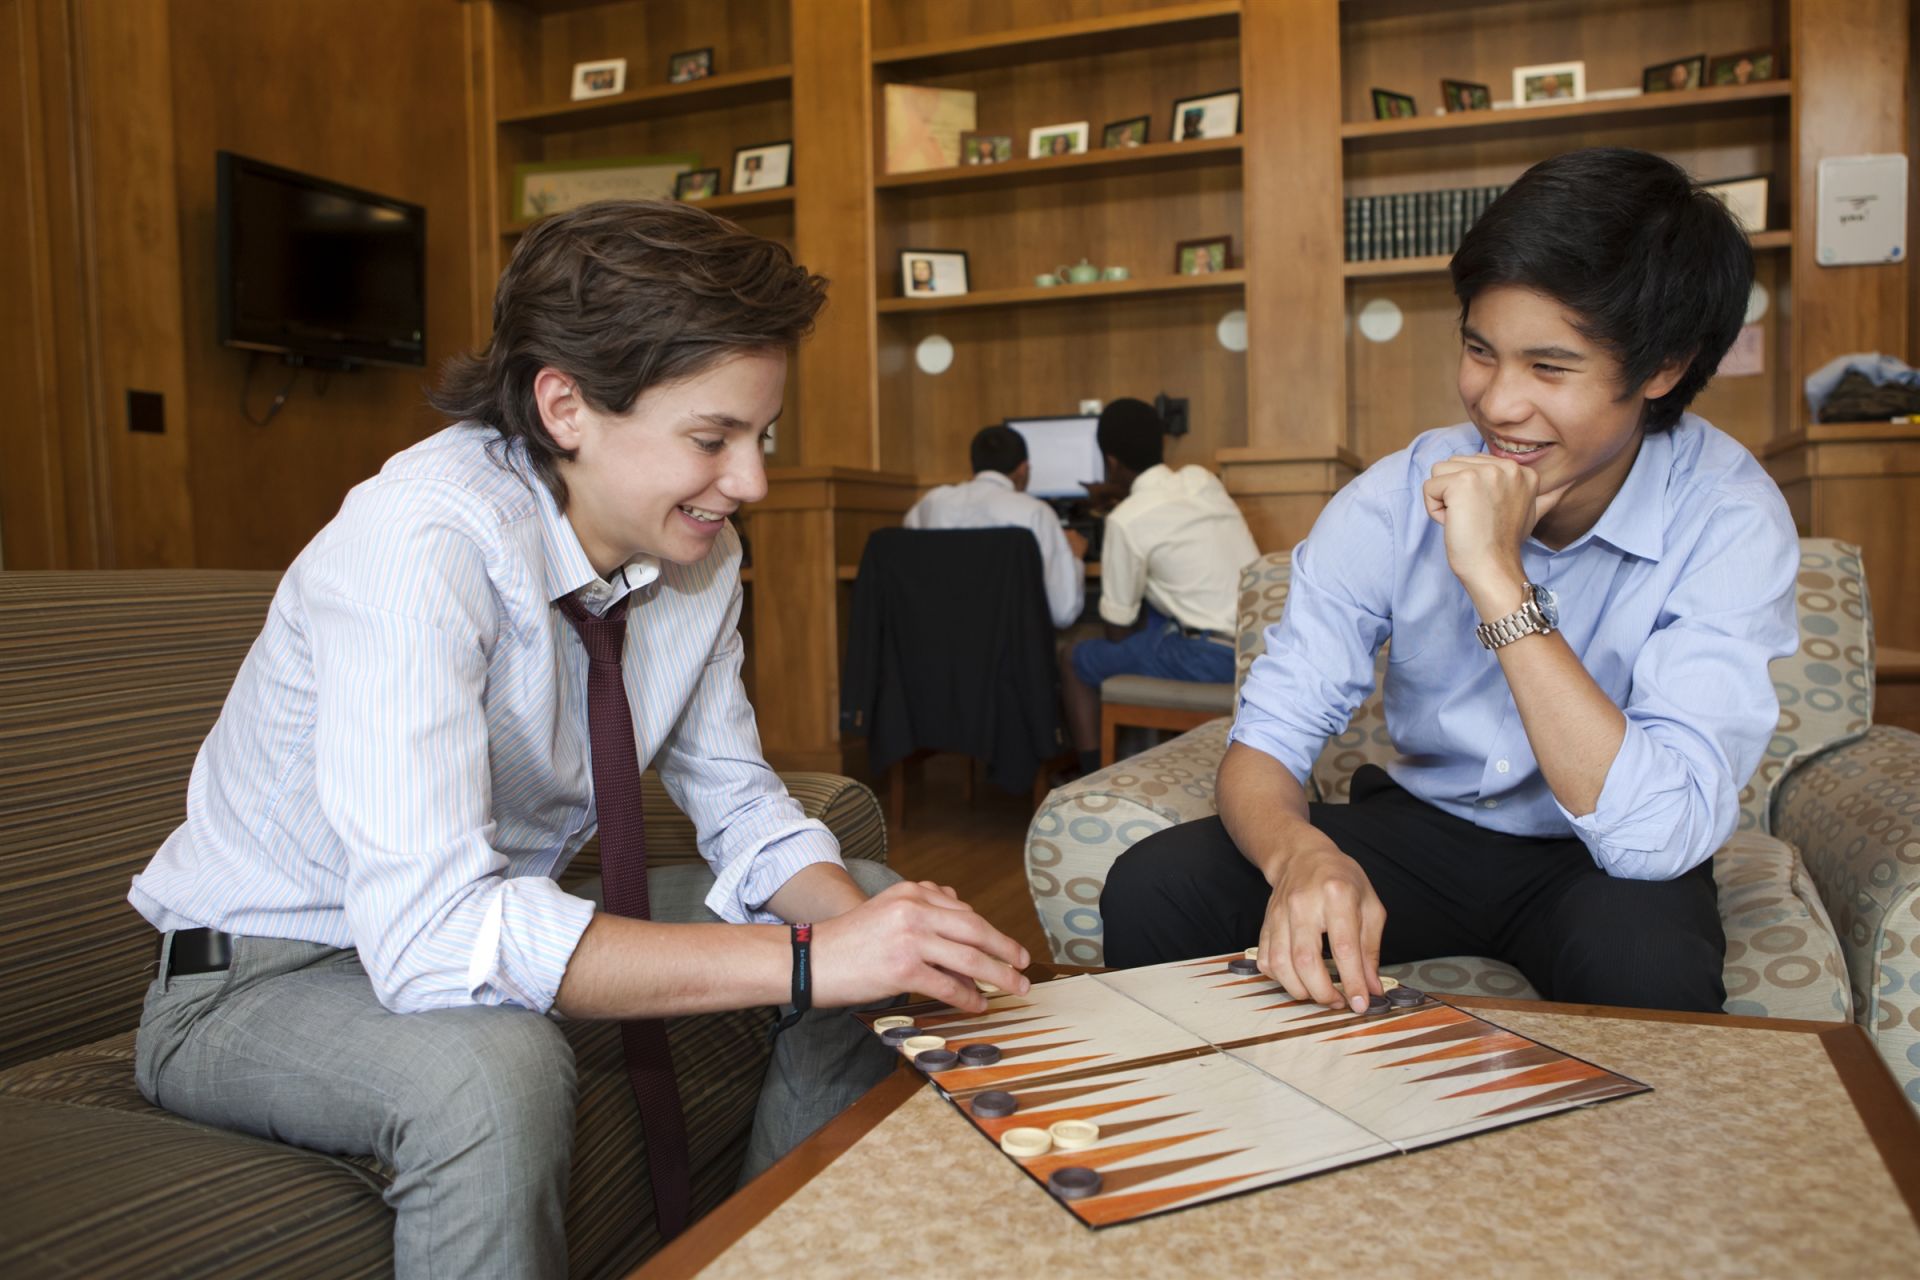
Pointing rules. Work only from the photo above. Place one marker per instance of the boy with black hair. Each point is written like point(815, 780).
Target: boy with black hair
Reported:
point(997, 498)
point(459, 679)
point(1170, 566)
point(1583, 586)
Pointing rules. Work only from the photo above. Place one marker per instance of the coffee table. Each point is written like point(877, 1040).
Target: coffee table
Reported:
point(1768, 1147)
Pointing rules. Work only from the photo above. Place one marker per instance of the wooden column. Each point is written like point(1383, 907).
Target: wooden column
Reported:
point(1296, 453)
point(1856, 481)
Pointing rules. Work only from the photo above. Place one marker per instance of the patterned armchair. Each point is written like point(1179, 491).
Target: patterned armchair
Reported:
point(1829, 828)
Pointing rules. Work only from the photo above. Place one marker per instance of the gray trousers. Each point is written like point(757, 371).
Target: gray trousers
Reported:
point(472, 1108)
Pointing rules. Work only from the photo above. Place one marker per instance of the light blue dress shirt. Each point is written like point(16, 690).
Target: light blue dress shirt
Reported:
point(1675, 602)
point(402, 765)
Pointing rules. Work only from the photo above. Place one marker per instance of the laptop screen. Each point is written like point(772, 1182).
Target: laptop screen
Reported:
point(1063, 454)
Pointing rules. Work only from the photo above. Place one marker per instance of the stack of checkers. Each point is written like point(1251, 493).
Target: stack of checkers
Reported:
point(930, 1053)
point(1396, 997)
point(1071, 1182)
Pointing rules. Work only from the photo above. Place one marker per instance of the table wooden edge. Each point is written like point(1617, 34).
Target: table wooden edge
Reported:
point(1889, 1120)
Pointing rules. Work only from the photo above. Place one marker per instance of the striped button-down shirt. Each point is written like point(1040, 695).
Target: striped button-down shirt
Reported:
point(402, 765)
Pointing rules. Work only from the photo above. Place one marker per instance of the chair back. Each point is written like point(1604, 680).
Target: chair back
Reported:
point(109, 682)
point(1825, 687)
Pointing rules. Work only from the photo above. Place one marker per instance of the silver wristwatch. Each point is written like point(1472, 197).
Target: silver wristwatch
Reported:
point(1538, 615)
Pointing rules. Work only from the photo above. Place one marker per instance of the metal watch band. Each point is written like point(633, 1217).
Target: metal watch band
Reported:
point(1527, 620)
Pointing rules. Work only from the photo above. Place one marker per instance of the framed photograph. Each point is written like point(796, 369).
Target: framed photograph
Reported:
point(1211, 115)
point(1125, 133)
point(985, 148)
point(763, 167)
point(933, 273)
point(701, 184)
point(1745, 198)
point(555, 186)
point(599, 79)
point(694, 64)
point(1388, 105)
point(1465, 95)
point(1743, 68)
point(1203, 257)
point(1057, 140)
point(1549, 82)
point(1670, 77)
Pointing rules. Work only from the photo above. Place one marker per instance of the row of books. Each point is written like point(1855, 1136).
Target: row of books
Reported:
point(1413, 224)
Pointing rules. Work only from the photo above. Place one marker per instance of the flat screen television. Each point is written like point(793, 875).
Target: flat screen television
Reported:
point(319, 272)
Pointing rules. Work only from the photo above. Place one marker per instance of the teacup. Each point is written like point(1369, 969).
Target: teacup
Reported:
point(1116, 273)
point(1046, 280)
point(1083, 272)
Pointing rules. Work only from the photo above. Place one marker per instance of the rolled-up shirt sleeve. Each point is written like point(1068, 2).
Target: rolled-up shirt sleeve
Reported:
point(1318, 663)
point(1123, 577)
point(752, 834)
point(1702, 706)
point(402, 775)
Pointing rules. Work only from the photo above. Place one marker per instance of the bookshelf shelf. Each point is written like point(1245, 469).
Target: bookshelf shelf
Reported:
point(1033, 295)
point(739, 202)
point(1154, 157)
point(1740, 99)
point(1436, 264)
point(765, 84)
point(1150, 29)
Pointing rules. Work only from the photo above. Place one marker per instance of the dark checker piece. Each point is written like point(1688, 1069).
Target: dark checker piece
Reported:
point(1405, 997)
point(935, 1059)
point(995, 1104)
point(1378, 1004)
point(1075, 1182)
point(979, 1055)
point(896, 1036)
point(1243, 967)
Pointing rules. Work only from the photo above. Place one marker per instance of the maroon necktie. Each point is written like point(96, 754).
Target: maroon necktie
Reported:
point(623, 876)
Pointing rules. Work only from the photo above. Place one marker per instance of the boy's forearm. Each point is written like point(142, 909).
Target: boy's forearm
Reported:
point(1261, 804)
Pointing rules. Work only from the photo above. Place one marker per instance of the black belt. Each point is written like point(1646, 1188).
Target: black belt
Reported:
point(199, 951)
point(1195, 633)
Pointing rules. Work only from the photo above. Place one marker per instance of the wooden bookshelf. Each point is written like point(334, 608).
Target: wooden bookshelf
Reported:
point(737, 203)
point(766, 84)
point(1436, 264)
point(1736, 99)
point(1099, 291)
point(1152, 158)
point(1144, 29)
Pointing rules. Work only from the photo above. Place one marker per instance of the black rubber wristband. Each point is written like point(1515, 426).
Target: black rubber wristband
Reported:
point(802, 977)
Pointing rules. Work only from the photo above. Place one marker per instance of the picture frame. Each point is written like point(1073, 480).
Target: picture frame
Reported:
point(602, 79)
point(1203, 257)
point(1209, 115)
point(696, 185)
point(1131, 132)
point(765, 166)
point(1746, 199)
point(555, 186)
point(985, 148)
point(1549, 82)
point(1672, 77)
point(933, 273)
point(1388, 105)
point(693, 64)
point(1465, 95)
point(1057, 140)
point(1727, 68)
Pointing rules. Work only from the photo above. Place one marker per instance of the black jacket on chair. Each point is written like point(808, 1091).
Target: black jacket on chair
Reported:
point(951, 648)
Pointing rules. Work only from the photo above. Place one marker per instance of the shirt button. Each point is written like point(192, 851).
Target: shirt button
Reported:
point(1489, 804)
point(1501, 767)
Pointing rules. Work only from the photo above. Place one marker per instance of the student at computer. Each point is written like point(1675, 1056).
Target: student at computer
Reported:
point(996, 498)
point(1583, 585)
point(1170, 573)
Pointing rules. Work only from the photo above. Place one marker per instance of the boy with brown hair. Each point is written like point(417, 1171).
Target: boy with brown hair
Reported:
point(460, 677)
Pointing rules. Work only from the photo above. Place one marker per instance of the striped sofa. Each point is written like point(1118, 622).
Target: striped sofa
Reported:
point(1829, 830)
point(108, 683)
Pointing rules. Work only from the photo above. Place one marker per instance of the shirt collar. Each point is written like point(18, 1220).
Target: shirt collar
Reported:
point(564, 561)
point(995, 479)
point(1636, 520)
point(1157, 476)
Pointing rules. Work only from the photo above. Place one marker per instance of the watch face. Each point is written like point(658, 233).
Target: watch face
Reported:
point(1549, 607)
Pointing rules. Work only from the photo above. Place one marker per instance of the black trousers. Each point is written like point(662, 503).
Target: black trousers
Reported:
point(1450, 888)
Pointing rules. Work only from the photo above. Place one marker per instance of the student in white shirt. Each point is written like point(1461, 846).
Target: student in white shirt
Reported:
point(361, 933)
point(997, 497)
point(1170, 573)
